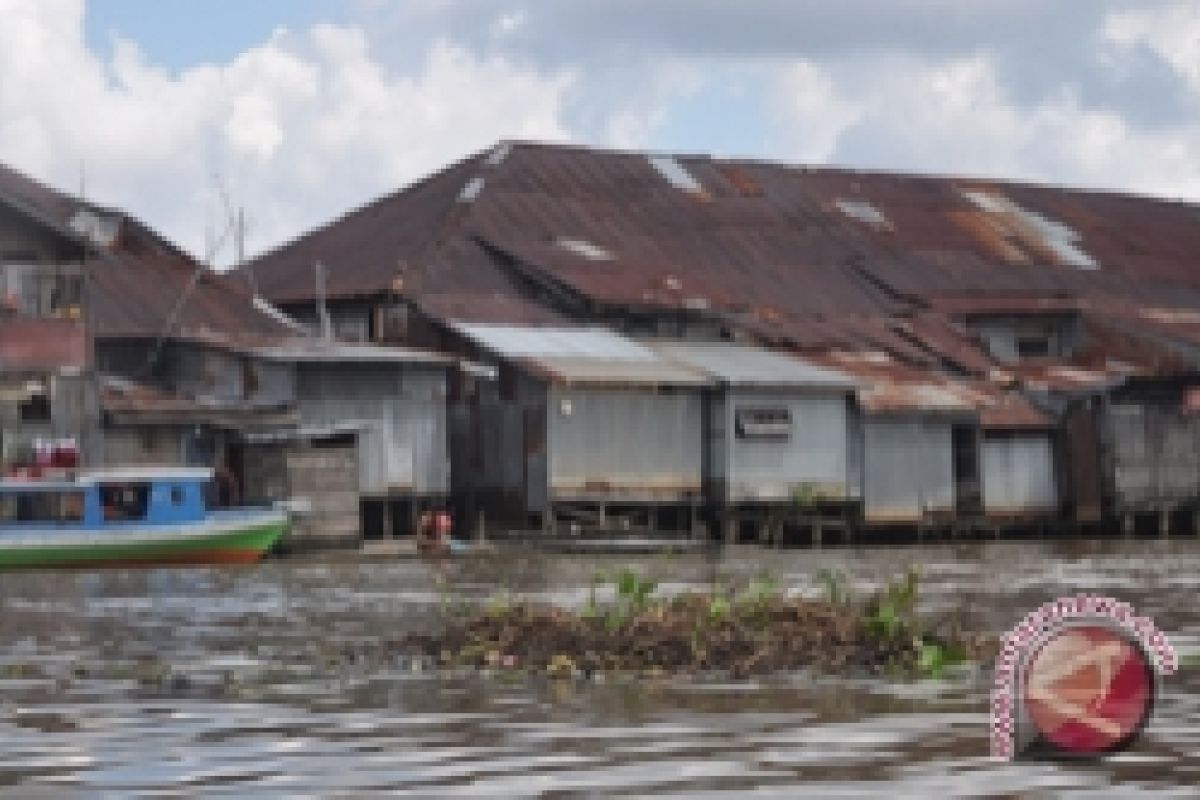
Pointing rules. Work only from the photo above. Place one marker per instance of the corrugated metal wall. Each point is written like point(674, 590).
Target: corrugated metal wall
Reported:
point(1018, 474)
point(816, 452)
point(908, 468)
point(1155, 451)
point(624, 443)
point(402, 447)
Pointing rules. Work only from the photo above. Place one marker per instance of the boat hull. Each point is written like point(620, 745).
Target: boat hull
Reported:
point(239, 540)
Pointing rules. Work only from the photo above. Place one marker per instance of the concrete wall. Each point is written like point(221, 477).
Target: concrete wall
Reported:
point(1019, 477)
point(624, 444)
point(908, 468)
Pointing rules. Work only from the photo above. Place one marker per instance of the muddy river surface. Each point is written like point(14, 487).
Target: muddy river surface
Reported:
point(277, 681)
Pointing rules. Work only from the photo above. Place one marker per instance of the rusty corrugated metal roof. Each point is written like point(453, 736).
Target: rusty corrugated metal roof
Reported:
point(137, 280)
point(581, 355)
point(123, 401)
point(39, 345)
point(746, 365)
point(816, 256)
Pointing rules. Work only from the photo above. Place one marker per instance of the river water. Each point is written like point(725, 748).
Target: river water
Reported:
point(277, 681)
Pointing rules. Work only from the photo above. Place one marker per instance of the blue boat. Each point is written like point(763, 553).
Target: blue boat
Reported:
point(127, 516)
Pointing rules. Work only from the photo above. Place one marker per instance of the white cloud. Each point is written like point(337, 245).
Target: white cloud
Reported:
point(1172, 33)
point(956, 115)
point(808, 105)
point(309, 123)
point(300, 127)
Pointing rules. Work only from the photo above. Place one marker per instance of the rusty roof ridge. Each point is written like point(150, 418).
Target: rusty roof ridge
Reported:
point(992, 180)
point(456, 217)
point(374, 202)
point(29, 209)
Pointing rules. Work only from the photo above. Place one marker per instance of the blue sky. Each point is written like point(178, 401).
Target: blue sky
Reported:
point(297, 110)
point(183, 33)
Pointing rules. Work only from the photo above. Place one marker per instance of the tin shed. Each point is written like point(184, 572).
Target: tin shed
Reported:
point(918, 453)
point(775, 425)
point(396, 397)
point(1019, 470)
point(581, 420)
point(1151, 430)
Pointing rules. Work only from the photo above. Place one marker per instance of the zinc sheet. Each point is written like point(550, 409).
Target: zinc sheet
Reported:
point(1018, 475)
point(402, 416)
point(814, 454)
point(908, 469)
point(624, 444)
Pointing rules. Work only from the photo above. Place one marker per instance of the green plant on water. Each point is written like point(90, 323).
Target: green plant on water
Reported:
point(591, 607)
point(933, 657)
point(498, 604)
point(633, 597)
point(634, 590)
point(719, 608)
point(893, 609)
point(760, 593)
point(834, 585)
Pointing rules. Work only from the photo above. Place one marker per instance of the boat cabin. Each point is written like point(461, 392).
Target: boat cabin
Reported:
point(106, 498)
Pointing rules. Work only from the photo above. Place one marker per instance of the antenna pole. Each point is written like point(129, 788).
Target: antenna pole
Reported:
point(322, 306)
point(240, 230)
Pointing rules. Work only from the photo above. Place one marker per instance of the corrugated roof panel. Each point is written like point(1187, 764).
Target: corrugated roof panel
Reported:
point(316, 350)
point(471, 190)
point(862, 211)
point(1059, 239)
point(582, 247)
point(519, 341)
point(675, 173)
point(744, 365)
point(585, 355)
point(38, 345)
point(614, 373)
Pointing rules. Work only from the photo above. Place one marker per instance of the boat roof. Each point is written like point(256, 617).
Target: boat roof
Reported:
point(64, 481)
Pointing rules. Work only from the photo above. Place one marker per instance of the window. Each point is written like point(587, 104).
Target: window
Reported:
point(764, 423)
point(176, 495)
point(40, 290)
point(35, 408)
point(124, 502)
point(51, 507)
point(1033, 346)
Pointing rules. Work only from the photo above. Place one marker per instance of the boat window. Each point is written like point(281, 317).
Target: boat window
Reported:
point(124, 502)
point(53, 507)
point(176, 495)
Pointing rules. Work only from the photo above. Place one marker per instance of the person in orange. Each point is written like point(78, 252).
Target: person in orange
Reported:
point(427, 535)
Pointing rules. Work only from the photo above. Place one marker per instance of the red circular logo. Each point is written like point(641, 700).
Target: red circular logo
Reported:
point(1088, 689)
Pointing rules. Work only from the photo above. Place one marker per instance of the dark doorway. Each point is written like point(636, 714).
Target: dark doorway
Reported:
point(968, 490)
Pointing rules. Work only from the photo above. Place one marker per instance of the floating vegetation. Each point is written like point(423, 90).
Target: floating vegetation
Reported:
point(754, 629)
